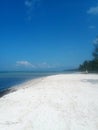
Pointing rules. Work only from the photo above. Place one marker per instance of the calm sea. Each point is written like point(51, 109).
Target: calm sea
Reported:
point(10, 79)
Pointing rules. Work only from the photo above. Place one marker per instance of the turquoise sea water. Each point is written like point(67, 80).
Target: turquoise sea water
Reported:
point(10, 79)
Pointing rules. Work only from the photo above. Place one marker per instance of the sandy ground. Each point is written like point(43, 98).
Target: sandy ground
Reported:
point(60, 102)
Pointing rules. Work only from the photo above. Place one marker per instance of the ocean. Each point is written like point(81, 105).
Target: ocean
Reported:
point(10, 79)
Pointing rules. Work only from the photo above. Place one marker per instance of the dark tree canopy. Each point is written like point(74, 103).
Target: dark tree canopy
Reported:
point(93, 64)
point(95, 53)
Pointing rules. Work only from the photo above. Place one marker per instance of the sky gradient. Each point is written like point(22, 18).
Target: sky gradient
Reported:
point(46, 34)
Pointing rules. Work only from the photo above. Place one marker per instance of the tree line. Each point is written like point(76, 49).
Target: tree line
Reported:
point(91, 65)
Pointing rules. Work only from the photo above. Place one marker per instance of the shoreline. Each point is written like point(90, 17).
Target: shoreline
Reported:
point(19, 86)
point(37, 79)
point(57, 102)
point(22, 74)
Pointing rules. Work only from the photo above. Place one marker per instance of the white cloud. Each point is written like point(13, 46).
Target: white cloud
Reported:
point(31, 3)
point(92, 27)
point(28, 3)
point(30, 65)
point(93, 10)
point(43, 65)
point(96, 41)
point(30, 6)
point(24, 64)
point(49, 66)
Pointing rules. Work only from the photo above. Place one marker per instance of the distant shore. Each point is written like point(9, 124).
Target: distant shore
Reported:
point(58, 102)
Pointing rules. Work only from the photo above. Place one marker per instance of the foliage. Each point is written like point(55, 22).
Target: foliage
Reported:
point(93, 64)
point(95, 53)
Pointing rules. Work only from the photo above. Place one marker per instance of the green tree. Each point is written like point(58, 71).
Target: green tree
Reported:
point(93, 64)
point(95, 53)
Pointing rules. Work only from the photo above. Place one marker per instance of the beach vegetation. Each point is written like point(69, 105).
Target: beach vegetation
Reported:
point(91, 65)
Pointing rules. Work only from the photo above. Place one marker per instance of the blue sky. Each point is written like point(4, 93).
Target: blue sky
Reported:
point(46, 34)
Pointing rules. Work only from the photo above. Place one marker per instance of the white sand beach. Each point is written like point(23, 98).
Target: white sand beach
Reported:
point(59, 102)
